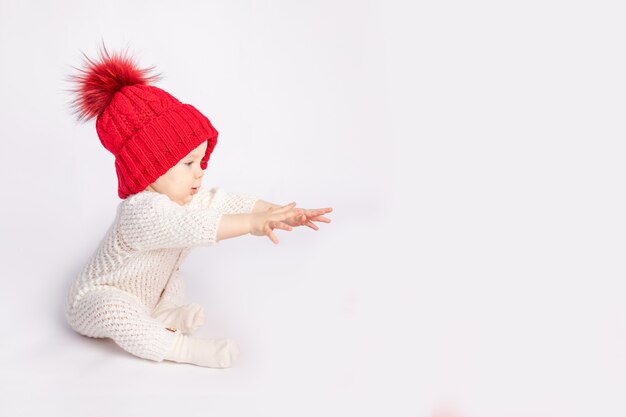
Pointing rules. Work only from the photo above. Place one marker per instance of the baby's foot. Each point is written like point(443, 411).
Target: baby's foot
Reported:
point(212, 353)
point(186, 318)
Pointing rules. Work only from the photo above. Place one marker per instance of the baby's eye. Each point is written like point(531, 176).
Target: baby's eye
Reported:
point(189, 163)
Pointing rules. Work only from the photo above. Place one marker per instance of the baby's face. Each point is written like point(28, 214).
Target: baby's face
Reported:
point(184, 179)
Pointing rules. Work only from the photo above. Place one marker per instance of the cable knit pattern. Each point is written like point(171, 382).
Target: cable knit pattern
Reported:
point(138, 262)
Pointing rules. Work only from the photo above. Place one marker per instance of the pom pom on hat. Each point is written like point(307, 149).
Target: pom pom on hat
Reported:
point(147, 129)
point(100, 80)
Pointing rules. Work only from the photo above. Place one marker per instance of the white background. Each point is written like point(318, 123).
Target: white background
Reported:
point(473, 153)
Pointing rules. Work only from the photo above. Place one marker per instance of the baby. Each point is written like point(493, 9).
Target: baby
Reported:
point(132, 289)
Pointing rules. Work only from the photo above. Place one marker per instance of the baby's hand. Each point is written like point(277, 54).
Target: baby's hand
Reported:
point(308, 217)
point(263, 223)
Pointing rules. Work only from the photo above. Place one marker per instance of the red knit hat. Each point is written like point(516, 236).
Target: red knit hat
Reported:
point(145, 128)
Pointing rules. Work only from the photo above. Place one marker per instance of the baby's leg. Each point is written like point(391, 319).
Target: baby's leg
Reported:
point(170, 311)
point(186, 318)
point(174, 292)
point(120, 316)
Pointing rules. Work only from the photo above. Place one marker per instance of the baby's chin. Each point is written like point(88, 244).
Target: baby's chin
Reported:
point(183, 201)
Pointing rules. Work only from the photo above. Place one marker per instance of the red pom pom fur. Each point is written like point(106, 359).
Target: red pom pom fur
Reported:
point(99, 80)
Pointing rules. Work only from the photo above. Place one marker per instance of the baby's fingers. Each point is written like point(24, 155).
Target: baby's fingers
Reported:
point(318, 212)
point(276, 225)
point(291, 214)
point(272, 236)
point(311, 225)
point(320, 219)
point(280, 225)
point(285, 208)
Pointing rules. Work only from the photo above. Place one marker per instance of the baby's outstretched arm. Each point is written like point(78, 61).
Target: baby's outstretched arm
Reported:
point(261, 223)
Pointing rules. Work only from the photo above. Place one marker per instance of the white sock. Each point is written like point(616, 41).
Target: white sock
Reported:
point(212, 353)
point(186, 318)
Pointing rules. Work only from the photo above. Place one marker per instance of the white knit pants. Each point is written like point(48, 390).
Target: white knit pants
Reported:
point(118, 315)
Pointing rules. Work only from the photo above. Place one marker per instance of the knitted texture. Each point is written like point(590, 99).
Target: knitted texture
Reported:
point(138, 262)
point(149, 131)
point(144, 127)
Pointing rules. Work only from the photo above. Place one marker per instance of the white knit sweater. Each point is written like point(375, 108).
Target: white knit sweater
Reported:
point(137, 264)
